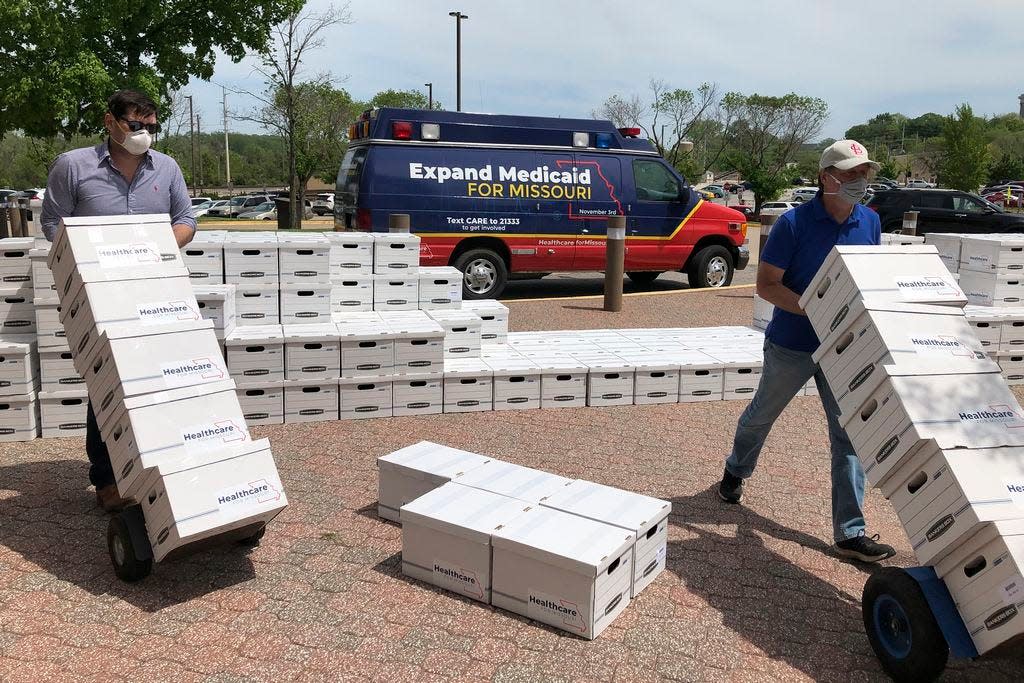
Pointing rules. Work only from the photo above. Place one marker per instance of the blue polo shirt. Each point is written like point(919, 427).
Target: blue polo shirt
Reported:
point(798, 243)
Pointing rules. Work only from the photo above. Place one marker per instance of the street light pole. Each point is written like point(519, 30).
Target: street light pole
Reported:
point(192, 139)
point(430, 95)
point(459, 16)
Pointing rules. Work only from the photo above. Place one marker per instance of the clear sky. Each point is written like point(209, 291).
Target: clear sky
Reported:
point(563, 58)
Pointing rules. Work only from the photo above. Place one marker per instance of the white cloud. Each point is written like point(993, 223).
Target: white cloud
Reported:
point(565, 58)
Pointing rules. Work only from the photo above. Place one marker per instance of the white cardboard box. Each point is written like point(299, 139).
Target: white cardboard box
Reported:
point(1011, 333)
point(396, 252)
point(19, 367)
point(958, 410)
point(515, 481)
point(645, 517)
point(419, 395)
point(884, 334)
point(255, 354)
point(43, 285)
point(351, 253)
point(610, 383)
point(312, 351)
point(15, 264)
point(304, 258)
point(763, 312)
point(993, 288)
point(19, 419)
point(419, 346)
point(352, 292)
point(948, 245)
point(440, 287)
point(468, 385)
point(239, 490)
point(943, 496)
point(251, 258)
point(132, 247)
point(446, 537)
point(396, 291)
point(367, 349)
point(310, 400)
point(462, 332)
point(563, 382)
point(217, 304)
point(562, 570)
point(204, 257)
point(17, 312)
point(172, 430)
point(908, 274)
point(992, 254)
point(50, 333)
point(63, 413)
point(410, 472)
point(365, 398)
point(984, 577)
point(493, 319)
point(655, 381)
point(516, 383)
point(304, 304)
point(257, 304)
point(262, 404)
point(987, 323)
point(57, 372)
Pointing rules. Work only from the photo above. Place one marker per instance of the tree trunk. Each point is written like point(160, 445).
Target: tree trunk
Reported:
point(295, 222)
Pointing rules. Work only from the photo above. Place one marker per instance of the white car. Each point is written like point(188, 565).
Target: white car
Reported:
point(804, 194)
point(267, 211)
point(920, 184)
point(323, 204)
point(777, 208)
point(204, 208)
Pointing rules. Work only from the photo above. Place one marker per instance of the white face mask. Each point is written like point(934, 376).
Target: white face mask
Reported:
point(851, 191)
point(136, 143)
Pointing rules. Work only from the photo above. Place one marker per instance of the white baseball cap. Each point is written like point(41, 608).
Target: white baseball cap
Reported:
point(845, 154)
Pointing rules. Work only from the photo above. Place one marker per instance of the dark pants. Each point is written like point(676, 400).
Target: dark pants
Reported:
point(101, 473)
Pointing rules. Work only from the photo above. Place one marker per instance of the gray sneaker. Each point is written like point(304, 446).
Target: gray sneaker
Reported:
point(731, 488)
point(864, 548)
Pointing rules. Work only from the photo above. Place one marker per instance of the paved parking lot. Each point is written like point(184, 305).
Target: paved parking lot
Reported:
point(750, 593)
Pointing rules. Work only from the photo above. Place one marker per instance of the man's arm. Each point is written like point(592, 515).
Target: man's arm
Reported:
point(59, 200)
point(182, 221)
point(771, 289)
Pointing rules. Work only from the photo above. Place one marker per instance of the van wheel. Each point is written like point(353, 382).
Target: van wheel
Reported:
point(710, 267)
point(484, 274)
point(643, 278)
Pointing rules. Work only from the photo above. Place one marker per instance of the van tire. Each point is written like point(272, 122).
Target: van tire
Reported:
point(484, 274)
point(712, 267)
point(644, 278)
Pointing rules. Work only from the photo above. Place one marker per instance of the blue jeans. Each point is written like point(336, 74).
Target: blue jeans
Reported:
point(785, 372)
point(101, 473)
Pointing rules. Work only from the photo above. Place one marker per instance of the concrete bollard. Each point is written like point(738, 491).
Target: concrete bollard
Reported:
point(766, 227)
point(398, 222)
point(909, 223)
point(615, 263)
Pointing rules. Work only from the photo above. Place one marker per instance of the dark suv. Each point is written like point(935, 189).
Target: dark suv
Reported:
point(943, 211)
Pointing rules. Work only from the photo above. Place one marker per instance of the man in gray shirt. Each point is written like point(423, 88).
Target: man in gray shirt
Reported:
point(120, 176)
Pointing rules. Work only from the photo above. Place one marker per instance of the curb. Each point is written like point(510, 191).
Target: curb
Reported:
point(703, 290)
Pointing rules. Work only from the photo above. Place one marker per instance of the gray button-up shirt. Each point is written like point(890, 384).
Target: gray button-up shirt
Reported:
point(83, 182)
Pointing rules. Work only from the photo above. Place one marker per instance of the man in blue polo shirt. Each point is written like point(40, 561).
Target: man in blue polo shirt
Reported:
point(797, 246)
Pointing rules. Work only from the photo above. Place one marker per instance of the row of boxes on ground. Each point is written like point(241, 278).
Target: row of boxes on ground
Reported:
point(221, 257)
point(982, 253)
point(190, 488)
point(933, 423)
point(568, 553)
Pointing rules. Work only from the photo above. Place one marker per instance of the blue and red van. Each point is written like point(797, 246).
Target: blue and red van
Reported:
point(497, 196)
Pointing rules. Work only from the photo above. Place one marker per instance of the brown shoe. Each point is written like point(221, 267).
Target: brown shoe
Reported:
point(108, 498)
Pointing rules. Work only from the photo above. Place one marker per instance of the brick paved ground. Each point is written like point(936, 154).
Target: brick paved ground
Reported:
point(750, 594)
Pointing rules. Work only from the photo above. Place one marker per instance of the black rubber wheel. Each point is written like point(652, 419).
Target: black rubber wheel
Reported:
point(712, 266)
point(644, 277)
point(122, 552)
point(254, 540)
point(901, 627)
point(484, 274)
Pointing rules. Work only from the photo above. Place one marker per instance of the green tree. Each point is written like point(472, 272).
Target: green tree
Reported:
point(963, 160)
point(61, 60)
point(1007, 167)
point(767, 134)
point(402, 99)
point(321, 128)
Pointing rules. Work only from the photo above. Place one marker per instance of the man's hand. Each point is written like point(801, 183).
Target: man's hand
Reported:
point(771, 289)
point(183, 233)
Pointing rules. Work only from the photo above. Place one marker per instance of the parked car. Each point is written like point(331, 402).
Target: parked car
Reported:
point(882, 180)
point(267, 211)
point(1014, 198)
point(919, 184)
point(879, 187)
point(777, 208)
point(745, 209)
point(1014, 189)
point(196, 201)
point(704, 194)
point(943, 211)
point(5, 193)
point(801, 181)
point(204, 208)
point(804, 194)
point(323, 204)
point(717, 190)
point(239, 205)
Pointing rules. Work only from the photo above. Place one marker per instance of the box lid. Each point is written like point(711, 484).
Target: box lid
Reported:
point(512, 366)
point(322, 288)
point(313, 332)
point(302, 240)
point(364, 331)
point(572, 542)
point(427, 459)
point(462, 511)
point(632, 511)
point(397, 278)
point(126, 330)
point(516, 481)
point(396, 237)
point(553, 365)
point(466, 367)
point(208, 292)
point(489, 305)
point(255, 334)
point(346, 237)
point(21, 344)
point(412, 328)
point(454, 316)
point(611, 364)
point(237, 238)
point(170, 395)
point(18, 244)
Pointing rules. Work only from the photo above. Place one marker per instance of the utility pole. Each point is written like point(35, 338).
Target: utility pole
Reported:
point(430, 95)
point(459, 16)
point(199, 155)
point(192, 137)
point(227, 151)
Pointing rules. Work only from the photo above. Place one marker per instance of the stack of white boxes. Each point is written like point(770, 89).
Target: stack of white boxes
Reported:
point(396, 280)
point(493, 319)
point(164, 402)
point(932, 421)
point(19, 360)
point(992, 270)
point(204, 257)
point(461, 332)
point(571, 554)
point(351, 271)
point(304, 274)
point(251, 264)
point(440, 288)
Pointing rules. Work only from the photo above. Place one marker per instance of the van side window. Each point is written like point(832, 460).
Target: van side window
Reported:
point(654, 182)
